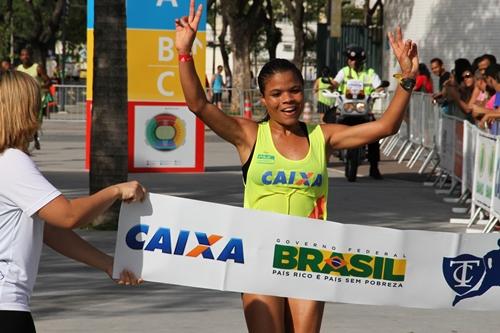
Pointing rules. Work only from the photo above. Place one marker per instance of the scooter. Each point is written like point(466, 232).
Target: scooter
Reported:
point(355, 108)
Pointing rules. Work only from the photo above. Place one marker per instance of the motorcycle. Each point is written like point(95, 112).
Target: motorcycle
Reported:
point(355, 108)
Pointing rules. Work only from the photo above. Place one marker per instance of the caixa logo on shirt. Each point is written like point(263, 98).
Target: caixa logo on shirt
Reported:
point(297, 178)
point(470, 276)
point(185, 243)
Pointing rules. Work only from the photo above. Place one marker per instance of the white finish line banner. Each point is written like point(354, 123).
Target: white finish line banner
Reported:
point(199, 244)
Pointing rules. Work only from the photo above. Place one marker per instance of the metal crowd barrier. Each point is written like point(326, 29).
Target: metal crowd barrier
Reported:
point(464, 157)
point(417, 136)
point(68, 102)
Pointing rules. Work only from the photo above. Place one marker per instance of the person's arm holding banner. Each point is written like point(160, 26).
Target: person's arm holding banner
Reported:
point(69, 244)
point(62, 215)
point(70, 214)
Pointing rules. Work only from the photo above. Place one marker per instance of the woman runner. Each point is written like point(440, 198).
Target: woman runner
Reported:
point(282, 143)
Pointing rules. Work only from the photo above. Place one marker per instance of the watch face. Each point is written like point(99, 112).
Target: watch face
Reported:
point(408, 83)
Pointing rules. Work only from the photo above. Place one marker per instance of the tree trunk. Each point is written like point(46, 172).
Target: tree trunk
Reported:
point(223, 50)
point(273, 33)
point(109, 139)
point(241, 17)
point(296, 14)
point(44, 35)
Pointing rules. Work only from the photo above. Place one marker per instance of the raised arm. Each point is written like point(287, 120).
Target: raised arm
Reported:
point(238, 131)
point(341, 136)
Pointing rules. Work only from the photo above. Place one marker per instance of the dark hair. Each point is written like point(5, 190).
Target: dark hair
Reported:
point(461, 65)
point(277, 66)
point(325, 75)
point(438, 60)
point(423, 70)
point(490, 57)
point(475, 63)
point(493, 71)
point(27, 49)
point(6, 59)
point(325, 72)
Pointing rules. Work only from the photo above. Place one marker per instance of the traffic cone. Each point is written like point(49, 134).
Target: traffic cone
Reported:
point(307, 113)
point(247, 113)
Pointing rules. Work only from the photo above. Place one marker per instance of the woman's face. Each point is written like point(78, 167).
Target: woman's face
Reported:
point(481, 85)
point(468, 78)
point(283, 98)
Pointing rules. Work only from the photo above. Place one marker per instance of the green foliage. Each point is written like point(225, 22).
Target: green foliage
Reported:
point(352, 14)
point(30, 24)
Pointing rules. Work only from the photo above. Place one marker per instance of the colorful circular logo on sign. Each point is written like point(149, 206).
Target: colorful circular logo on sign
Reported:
point(165, 132)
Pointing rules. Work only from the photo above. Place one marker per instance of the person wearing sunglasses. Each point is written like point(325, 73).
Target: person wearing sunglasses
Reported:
point(460, 87)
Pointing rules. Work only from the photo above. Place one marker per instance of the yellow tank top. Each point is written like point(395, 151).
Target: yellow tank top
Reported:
point(33, 72)
point(293, 187)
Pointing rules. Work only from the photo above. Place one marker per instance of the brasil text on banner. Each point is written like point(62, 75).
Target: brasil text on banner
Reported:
point(194, 243)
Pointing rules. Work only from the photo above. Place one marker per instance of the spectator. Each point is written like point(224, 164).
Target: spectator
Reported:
point(217, 83)
point(492, 74)
point(460, 87)
point(37, 72)
point(424, 81)
point(325, 104)
point(438, 69)
point(482, 92)
point(5, 65)
point(485, 61)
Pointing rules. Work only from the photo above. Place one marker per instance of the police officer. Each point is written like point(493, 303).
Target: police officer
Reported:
point(356, 70)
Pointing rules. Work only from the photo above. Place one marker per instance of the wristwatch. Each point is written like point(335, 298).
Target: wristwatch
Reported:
point(405, 82)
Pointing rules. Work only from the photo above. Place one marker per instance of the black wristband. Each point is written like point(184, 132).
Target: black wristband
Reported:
point(408, 83)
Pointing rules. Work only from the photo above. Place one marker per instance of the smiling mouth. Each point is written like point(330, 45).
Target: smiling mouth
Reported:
point(291, 109)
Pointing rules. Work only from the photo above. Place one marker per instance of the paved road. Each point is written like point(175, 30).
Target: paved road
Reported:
point(71, 297)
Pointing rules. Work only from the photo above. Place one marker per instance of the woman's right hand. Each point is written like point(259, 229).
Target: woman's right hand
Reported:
point(186, 28)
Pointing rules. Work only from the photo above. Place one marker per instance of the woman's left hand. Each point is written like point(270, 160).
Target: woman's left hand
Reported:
point(406, 53)
point(126, 277)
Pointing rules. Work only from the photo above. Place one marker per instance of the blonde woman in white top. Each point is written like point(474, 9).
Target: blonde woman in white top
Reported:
point(27, 199)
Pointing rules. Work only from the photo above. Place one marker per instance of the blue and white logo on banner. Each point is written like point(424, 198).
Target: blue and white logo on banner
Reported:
point(160, 14)
point(470, 276)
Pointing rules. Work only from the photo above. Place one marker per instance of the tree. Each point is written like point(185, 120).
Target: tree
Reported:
point(109, 139)
point(295, 10)
point(273, 33)
point(6, 13)
point(370, 12)
point(223, 48)
point(39, 24)
point(242, 17)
